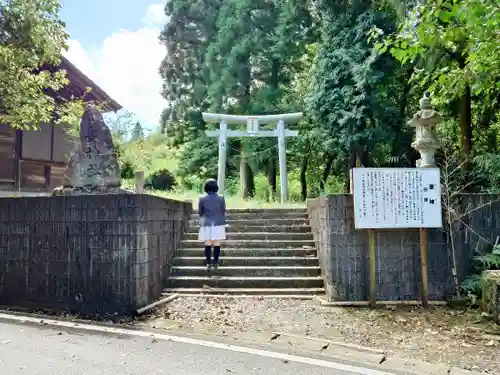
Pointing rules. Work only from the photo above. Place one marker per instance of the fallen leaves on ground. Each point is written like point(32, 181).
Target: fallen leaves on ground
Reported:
point(458, 337)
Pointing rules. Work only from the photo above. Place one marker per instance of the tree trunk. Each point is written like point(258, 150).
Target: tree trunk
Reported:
point(247, 186)
point(401, 139)
point(357, 158)
point(303, 178)
point(275, 70)
point(271, 177)
point(246, 177)
point(465, 111)
point(326, 173)
point(406, 93)
point(486, 119)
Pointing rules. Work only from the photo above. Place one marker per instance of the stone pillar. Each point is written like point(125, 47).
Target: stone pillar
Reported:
point(490, 287)
point(139, 182)
point(426, 143)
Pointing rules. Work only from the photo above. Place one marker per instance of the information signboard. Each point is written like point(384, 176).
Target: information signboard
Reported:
point(396, 198)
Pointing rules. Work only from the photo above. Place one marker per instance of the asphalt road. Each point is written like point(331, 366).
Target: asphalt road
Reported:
point(45, 350)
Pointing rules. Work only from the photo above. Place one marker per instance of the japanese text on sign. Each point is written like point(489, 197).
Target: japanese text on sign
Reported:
point(396, 198)
point(252, 125)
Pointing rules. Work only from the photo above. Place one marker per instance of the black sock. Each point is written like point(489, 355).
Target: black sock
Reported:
point(216, 254)
point(208, 251)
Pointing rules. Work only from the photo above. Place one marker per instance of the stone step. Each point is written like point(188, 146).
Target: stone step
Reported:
point(282, 221)
point(259, 236)
point(250, 261)
point(283, 211)
point(244, 282)
point(248, 271)
point(260, 215)
point(247, 291)
point(249, 244)
point(242, 296)
point(252, 228)
point(249, 252)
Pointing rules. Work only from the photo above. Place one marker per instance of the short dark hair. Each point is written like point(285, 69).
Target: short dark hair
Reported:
point(211, 186)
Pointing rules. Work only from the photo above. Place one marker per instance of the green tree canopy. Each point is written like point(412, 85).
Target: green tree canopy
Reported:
point(32, 36)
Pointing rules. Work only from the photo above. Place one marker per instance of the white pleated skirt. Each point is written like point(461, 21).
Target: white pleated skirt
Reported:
point(212, 233)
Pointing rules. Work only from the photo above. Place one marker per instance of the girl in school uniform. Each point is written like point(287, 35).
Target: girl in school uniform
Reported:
point(212, 211)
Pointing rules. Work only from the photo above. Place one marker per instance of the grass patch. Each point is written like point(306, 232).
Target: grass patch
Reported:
point(231, 202)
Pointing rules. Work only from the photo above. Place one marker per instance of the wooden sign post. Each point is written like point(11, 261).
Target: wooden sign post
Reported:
point(397, 198)
point(426, 143)
point(253, 130)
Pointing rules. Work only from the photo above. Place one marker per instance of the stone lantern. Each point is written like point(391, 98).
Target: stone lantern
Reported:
point(426, 143)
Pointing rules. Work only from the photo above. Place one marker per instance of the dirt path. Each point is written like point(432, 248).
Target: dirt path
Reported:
point(460, 338)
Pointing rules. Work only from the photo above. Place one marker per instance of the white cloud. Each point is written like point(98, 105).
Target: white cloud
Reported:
point(126, 66)
point(155, 15)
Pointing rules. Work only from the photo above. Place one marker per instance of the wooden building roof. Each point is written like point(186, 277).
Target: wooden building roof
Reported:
point(78, 84)
point(78, 87)
point(79, 81)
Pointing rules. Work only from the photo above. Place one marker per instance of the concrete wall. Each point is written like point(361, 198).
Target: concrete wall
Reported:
point(104, 253)
point(343, 251)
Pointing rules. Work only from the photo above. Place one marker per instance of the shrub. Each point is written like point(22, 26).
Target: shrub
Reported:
point(485, 262)
point(127, 170)
point(162, 179)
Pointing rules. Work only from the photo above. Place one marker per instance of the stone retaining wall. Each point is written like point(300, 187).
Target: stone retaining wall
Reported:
point(91, 253)
point(343, 251)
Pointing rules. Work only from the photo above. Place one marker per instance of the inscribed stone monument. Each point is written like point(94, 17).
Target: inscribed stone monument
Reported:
point(93, 167)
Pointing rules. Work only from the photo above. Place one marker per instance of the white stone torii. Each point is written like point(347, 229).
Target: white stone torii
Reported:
point(253, 123)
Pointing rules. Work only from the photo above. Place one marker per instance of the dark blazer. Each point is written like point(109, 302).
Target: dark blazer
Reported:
point(212, 210)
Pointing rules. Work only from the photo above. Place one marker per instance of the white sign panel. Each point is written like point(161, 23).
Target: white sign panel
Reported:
point(396, 198)
point(253, 125)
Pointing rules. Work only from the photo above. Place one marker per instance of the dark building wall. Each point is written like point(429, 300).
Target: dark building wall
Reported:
point(33, 161)
point(477, 229)
point(344, 259)
point(106, 253)
point(7, 156)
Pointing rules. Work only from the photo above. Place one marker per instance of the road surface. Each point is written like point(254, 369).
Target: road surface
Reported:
point(29, 349)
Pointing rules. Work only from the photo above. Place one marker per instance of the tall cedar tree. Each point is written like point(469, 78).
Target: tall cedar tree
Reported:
point(349, 99)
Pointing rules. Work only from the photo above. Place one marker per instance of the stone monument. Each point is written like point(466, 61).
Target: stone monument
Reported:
point(426, 143)
point(93, 167)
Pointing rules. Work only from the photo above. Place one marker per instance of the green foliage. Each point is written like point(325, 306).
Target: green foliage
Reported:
point(137, 132)
point(31, 37)
point(458, 42)
point(127, 170)
point(199, 158)
point(356, 69)
point(190, 29)
point(484, 262)
point(353, 96)
point(161, 180)
point(488, 166)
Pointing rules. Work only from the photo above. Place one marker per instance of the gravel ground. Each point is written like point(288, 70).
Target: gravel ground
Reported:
point(460, 338)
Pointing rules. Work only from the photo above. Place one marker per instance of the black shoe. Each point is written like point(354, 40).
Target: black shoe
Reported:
point(208, 265)
point(216, 265)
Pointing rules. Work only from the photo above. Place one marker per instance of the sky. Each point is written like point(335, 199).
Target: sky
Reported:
point(117, 46)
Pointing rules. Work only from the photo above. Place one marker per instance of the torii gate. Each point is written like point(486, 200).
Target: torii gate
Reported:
point(253, 123)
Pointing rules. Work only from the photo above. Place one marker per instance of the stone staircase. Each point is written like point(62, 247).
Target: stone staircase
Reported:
point(267, 252)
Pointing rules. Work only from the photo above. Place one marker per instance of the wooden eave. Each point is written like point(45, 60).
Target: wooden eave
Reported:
point(77, 87)
point(80, 81)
